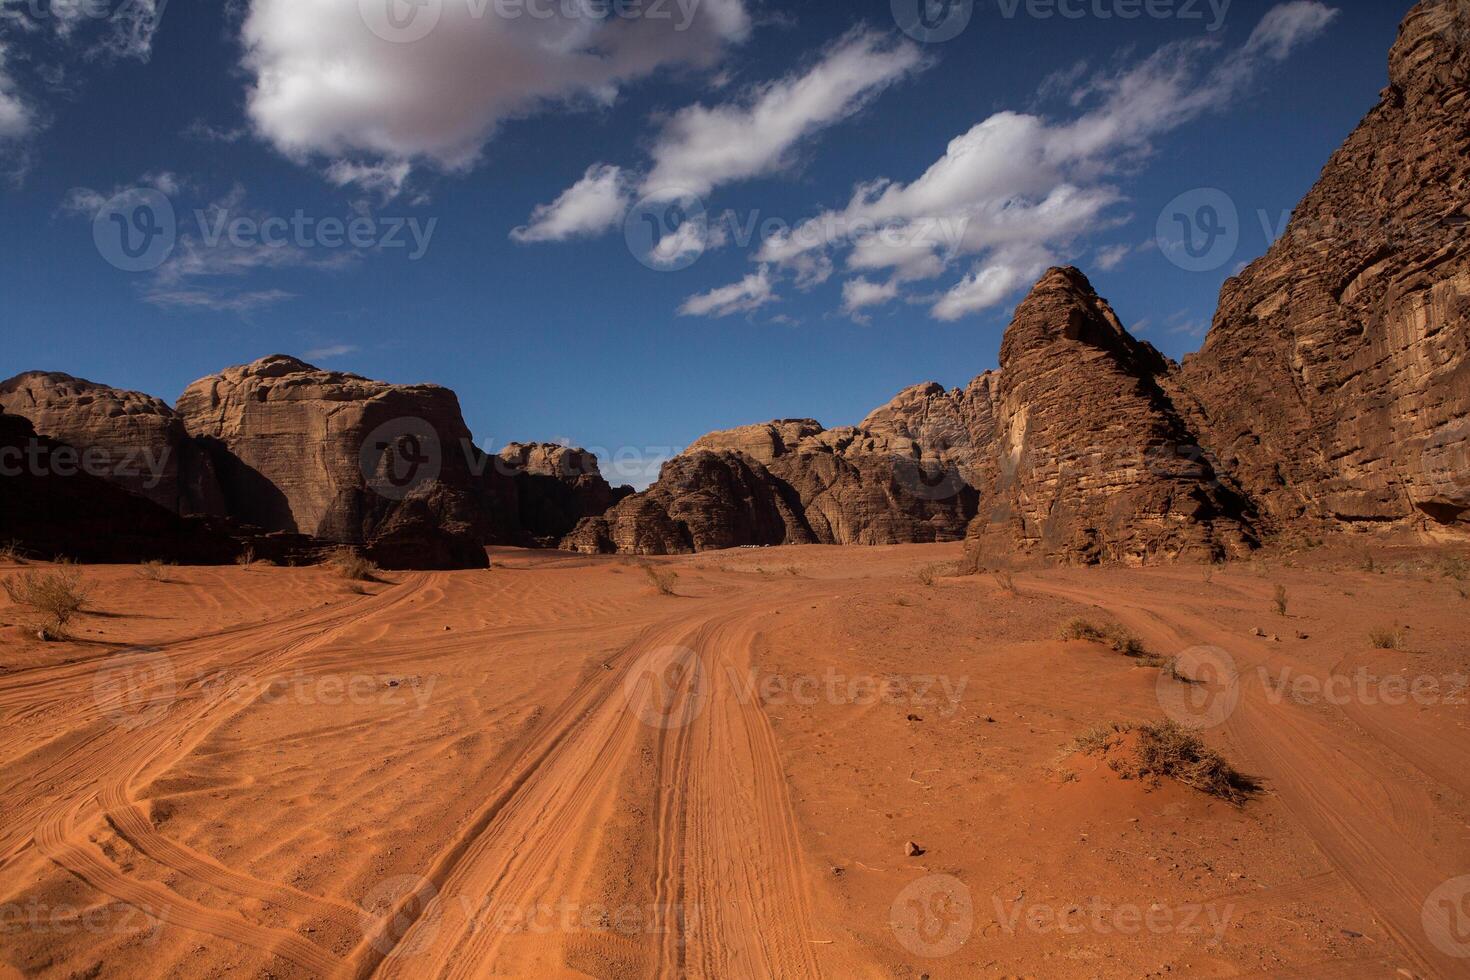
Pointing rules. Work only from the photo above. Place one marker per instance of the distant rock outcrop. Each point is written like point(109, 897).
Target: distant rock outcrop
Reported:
point(1335, 382)
point(389, 468)
point(557, 486)
point(127, 437)
point(1094, 461)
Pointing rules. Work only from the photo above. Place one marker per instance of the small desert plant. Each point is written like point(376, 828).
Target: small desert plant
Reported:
point(1113, 634)
point(903, 600)
point(153, 571)
point(1167, 749)
point(56, 595)
point(246, 557)
point(1209, 574)
point(11, 552)
point(1005, 580)
point(663, 579)
point(1385, 639)
point(1453, 566)
point(1093, 741)
point(1368, 564)
point(354, 567)
point(1278, 602)
point(928, 574)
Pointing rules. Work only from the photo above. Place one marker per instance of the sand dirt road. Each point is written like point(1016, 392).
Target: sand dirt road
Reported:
point(549, 769)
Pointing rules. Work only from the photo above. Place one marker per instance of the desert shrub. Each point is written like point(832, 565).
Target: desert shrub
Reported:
point(1385, 639)
point(1113, 634)
point(929, 574)
point(662, 579)
point(1279, 600)
point(1093, 741)
point(1006, 580)
point(153, 571)
point(11, 552)
point(246, 557)
point(1166, 749)
point(1453, 566)
point(353, 566)
point(55, 596)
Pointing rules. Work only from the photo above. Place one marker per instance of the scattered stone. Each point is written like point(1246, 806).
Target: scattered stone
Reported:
point(912, 849)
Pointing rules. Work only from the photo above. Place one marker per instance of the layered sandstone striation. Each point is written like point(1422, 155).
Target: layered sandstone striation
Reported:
point(1335, 381)
point(1094, 461)
point(127, 437)
point(390, 468)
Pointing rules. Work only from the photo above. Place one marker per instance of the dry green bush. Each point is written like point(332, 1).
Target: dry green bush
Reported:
point(1386, 639)
point(1168, 749)
point(55, 596)
point(1113, 634)
point(154, 571)
point(354, 567)
point(663, 579)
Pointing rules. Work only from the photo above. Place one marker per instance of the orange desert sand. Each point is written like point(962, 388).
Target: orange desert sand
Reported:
point(805, 762)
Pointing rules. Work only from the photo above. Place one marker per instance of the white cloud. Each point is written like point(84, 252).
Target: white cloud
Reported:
point(325, 84)
point(1109, 257)
point(1017, 189)
point(691, 239)
point(591, 206)
point(702, 147)
point(15, 117)
point(330, 351)
point(384, 179)
point(750, 293)
point(218, 301)
point(858, 293)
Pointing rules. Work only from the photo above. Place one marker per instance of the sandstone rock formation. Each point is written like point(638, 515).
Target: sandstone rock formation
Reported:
point(390, 468)
point(1335, 382)
point(132, 439)
point(792, 482)
point(50, 507)
point(1095, 463)
point(556, 486)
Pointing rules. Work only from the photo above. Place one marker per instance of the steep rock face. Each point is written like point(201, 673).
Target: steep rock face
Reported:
point(127, 437)
point(52, 509)
point(557, 486)
point(1094, 461)
point(1335, 381)
point(703, 501)
point(391, 468)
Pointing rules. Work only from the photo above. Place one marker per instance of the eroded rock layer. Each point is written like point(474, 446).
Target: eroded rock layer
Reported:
point(1335, 382)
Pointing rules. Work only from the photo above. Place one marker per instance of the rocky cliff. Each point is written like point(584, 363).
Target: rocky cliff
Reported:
point(390, 468)
point(1335, 382)
point(1094, 461)
point(127, 437)
point(556, 486)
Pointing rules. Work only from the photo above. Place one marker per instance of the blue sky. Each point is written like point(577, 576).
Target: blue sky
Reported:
point(841, 208)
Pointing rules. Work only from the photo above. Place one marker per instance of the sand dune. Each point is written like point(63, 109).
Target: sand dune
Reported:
point(550, 769)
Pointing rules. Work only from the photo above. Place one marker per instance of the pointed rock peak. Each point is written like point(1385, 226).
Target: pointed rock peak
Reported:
point(1432, 48)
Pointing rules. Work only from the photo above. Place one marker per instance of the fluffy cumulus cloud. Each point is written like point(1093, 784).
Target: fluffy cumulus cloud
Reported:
point(591, 206)
point(1017, 189)
point(333, 78)
point(750, 293)
point(858, 293)
point(703, 147)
